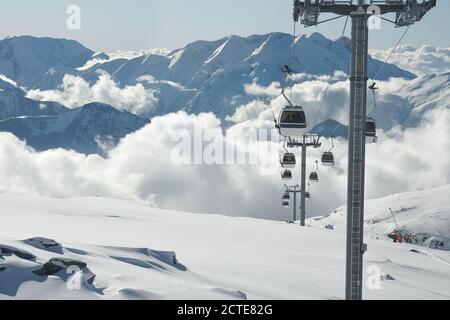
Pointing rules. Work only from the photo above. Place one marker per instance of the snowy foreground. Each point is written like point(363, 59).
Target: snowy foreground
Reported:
point(124, 250)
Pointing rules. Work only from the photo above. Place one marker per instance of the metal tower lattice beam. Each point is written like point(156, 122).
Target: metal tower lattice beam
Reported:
point(308, 140)
point(407, 12)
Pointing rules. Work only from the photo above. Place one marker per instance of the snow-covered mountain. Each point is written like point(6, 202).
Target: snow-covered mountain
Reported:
point(205, 76)
point(330, 128)
point(13, 103)
point(407, 104)
point(99, 248)
point(91, 129)
point(216, 71)
point(33, 62)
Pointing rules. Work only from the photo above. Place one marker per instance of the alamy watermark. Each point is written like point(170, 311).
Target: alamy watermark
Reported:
point(200, 146)
point(374, 277)
point(73, 21)
point(374, 20)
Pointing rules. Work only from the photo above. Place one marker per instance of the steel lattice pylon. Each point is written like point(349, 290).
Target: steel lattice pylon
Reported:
point(407, 12)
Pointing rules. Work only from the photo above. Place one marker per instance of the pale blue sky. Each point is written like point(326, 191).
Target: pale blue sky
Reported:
point(108, 25)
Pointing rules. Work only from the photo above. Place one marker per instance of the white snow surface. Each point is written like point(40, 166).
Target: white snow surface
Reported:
point(138, 252)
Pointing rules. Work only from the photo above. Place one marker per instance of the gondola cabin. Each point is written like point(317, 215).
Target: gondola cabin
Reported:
point(288, 161)
point(292, 121)
point(286, 175)
point(328, 159)
point(314, 177)
point(371, 130)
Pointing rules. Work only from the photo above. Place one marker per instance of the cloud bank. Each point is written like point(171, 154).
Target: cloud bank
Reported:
point(76, 92)
point(421, 60)
point(140, 168)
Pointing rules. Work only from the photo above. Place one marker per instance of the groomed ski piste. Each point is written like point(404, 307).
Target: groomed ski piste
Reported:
point(119, 249)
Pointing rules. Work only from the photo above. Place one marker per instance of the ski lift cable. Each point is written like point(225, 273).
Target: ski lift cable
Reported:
point(329, 84)
point(293, 55)
point(392, 52)
point(345, 27)
point(378, 73)
point(332, 144)
point(393, 216)
point(374, 96)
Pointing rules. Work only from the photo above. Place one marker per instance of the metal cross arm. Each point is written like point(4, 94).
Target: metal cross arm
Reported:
point(408, 11)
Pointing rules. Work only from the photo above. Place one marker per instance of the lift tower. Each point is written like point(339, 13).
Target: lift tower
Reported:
point(294, 190)
point(407, 13)
point(307, 140)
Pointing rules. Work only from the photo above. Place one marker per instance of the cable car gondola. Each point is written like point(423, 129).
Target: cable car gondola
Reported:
point(285, 204)
point(328, 159)
point(286, 175)
point(314, 176)
point(292, 121)
point(371, 130)
point(288, 161)
point(286, 197)
point(308, 193)
point(328, 156)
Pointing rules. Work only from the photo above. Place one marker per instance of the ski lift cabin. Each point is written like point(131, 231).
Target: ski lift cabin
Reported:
point(285, 204)
point(288, 161)
point(307, 195)
point(371, 131)
point(314, 177)
point(328, 159)
point(286, 175)
point(286, 197)
point(292, 121)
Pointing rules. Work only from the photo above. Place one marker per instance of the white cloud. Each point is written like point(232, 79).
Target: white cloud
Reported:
point(309, 94)
point(273, 90)
point(249, 111)
point(140, 167)
point(76, 92)
point(421, 60)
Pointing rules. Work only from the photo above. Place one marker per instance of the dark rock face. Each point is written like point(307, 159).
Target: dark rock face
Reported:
point(44, 244)
point(56, 265)
point(7, 250)
point(2, 269)
point(90, 129)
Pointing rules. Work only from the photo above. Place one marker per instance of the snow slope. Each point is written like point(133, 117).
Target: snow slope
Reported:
point(137, 252)
point(425, 213)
